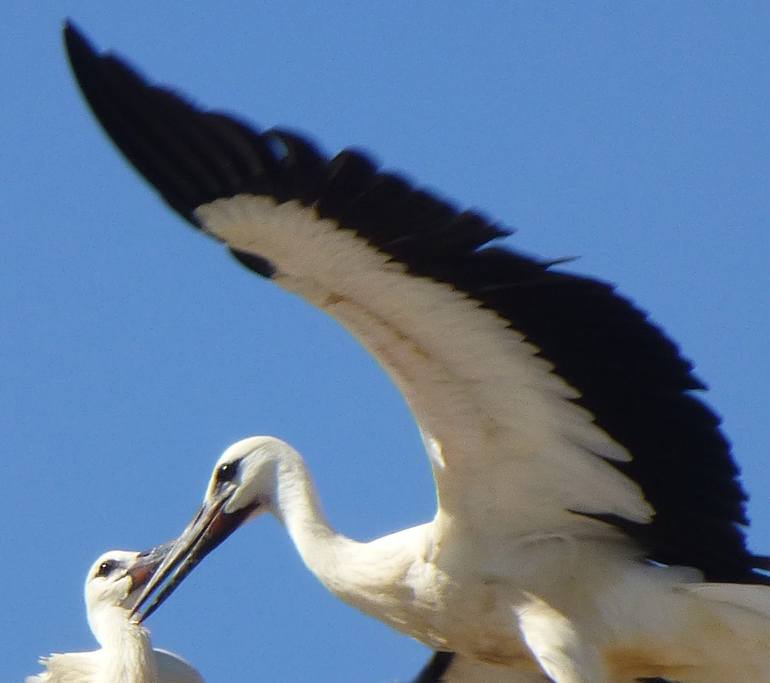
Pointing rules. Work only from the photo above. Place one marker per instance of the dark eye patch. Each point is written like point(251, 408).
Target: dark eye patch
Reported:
point(106, 568)
point(227, 471)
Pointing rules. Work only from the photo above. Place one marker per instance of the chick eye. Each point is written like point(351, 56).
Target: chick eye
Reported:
point(227, 472)
point(106, 568)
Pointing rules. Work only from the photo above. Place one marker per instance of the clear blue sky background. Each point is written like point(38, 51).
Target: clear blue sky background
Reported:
point(633, 135)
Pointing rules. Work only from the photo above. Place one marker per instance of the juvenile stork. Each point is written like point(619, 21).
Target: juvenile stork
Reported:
point(126, 655)
point(589, 521)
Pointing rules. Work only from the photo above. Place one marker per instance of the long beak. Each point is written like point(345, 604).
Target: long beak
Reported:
point(146, 564)
point(210, 526)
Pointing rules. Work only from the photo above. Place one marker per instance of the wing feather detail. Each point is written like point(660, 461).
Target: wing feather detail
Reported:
point(520, 454)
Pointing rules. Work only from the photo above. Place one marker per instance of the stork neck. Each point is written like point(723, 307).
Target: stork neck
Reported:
point(297, 506)
point(373, 576)
point(127, 646)
point(111, 626)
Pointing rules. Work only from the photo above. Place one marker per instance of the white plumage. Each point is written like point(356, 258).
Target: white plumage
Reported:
point(589, 518)
point(126, 654)
point(579, 604)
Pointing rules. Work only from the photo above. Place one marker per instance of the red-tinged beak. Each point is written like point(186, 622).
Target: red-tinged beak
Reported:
point(210, 527)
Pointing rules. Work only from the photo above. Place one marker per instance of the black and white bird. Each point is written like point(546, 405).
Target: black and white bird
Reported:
point(125, 655)
point(589, 521)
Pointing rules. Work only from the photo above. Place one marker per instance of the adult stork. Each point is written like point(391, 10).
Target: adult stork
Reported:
point(112, 587)
point(589, 516)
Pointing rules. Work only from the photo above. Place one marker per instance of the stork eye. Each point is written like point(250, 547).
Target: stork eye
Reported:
point(227, 472)
point(106, 568)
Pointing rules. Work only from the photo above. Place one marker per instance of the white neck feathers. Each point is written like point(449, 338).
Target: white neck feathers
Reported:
point(366, 575)
point(126, 652)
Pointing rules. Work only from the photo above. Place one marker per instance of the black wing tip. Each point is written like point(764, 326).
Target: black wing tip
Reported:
point(86, 61)
point(79, 48)
point(138, 116)
point(72, 31)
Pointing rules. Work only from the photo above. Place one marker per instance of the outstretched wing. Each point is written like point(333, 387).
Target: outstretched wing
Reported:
point(546, 400)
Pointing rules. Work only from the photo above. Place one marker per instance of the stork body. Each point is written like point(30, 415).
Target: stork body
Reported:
point(126, 654)
point(588, 526)
point(579, 607)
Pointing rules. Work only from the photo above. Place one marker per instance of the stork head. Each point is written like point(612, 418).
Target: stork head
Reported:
point(113, 585)
point(242, 486)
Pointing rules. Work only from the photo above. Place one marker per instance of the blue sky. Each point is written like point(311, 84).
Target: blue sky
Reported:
point(632, 135)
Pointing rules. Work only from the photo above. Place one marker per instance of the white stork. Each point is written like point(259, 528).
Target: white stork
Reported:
point(589, 516)
point(126, 655)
